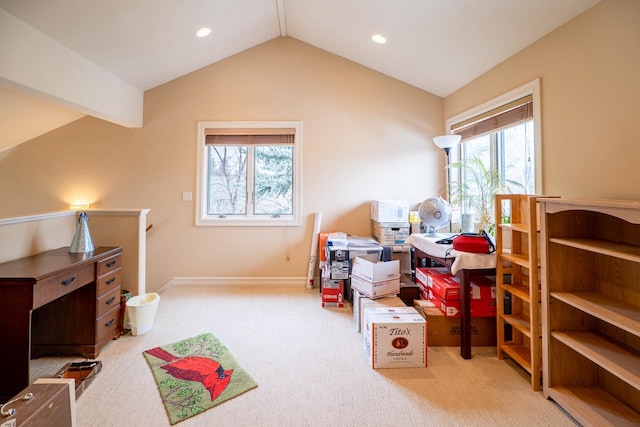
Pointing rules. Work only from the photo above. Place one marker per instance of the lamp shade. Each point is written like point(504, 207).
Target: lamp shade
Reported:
point(447, 141)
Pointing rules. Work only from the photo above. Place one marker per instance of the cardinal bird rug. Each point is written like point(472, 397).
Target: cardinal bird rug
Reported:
point(196, 374)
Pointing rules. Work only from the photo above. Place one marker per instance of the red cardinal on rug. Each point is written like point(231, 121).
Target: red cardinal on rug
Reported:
point(192, 368)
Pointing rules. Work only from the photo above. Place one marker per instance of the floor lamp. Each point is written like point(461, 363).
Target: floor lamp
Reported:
point(446, 143)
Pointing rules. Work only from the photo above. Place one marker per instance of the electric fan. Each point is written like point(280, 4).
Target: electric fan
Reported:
point(434, 213)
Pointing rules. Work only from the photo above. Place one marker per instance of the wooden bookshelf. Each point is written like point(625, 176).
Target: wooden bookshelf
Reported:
point(517, 277)
point(591, 309)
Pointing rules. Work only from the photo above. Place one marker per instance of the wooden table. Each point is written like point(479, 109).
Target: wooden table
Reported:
point(56, 303)
point(464, 266)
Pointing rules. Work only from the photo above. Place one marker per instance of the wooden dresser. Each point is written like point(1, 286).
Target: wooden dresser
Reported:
point(56, 303)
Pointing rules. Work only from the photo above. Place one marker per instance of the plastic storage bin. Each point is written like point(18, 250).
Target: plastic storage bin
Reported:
point(141, 312)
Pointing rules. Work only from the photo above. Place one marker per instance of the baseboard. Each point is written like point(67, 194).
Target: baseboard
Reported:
point(235, 281)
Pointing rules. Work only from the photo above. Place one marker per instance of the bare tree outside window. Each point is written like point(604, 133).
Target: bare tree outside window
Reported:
point(249, 173)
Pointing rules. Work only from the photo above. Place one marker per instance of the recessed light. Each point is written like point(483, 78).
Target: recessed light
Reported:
point(379, 38)
point(203, 32)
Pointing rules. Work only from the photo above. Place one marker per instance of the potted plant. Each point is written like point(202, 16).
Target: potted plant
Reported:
point(476, 193)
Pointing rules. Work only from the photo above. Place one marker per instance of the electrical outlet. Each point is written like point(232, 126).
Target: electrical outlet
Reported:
point(186, 196)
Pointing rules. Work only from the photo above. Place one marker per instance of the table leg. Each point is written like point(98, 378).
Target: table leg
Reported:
point(465, 314)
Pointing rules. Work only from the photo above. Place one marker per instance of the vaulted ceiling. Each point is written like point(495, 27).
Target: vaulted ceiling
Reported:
point(435, 45)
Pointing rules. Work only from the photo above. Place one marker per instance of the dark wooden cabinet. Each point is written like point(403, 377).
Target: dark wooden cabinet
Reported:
point(56, 303)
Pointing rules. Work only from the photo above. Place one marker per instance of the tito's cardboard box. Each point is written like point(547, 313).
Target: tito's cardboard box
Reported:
point(361, 303)
point(395, 337)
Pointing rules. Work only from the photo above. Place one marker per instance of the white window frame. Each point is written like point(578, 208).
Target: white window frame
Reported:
point(203, 219)
point(531, 88)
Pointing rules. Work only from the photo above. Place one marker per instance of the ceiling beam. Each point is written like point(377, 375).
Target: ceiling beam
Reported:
point(34, 63)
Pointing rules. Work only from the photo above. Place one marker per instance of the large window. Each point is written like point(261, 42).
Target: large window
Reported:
point(499, 153)
point(249, 173)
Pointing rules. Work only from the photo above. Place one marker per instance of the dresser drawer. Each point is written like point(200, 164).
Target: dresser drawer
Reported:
point(68, 281)
point(109, 282)
point(72, 279)
point(107, 302)
point(109, 265)
point(45, 291)
point(107, 325)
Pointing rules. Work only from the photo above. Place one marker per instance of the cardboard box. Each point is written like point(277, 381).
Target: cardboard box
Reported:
point(483, 297)
point(424, 290)
point(446, 286)
point(482, 287)
point(391, 233)
point(361, 302)
point(448, 307)
point(451, 307)
point(364, 247)
point(395, 337)
point(375, 271)
point(375, 289)
point(332, 292)
point(445, 331)
point(426, 274)
point(390, 210)
point(337, 262)
point(445, 293)
point(323, 239)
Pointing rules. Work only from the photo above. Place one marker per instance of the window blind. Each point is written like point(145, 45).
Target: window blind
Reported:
point(250, 136)
point(495, 119)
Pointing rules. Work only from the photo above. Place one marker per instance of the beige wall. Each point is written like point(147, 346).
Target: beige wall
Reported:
point(365, 136)
point(590, 90)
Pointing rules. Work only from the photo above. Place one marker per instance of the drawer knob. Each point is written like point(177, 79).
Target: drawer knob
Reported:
point(110, 301)
point(67, 282)
point(111, 281)
point(111, 263)
point(109, 323)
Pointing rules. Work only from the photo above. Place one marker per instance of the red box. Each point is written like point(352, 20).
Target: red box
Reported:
point(449, 307)
point(424, 290)
point(425, 277)
point(332, 294)
point(448, 287)
point(482, 290)
point(483, 296)
point(426, 274)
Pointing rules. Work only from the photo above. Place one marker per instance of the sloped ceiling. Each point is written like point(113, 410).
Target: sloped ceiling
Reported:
point(435, 45)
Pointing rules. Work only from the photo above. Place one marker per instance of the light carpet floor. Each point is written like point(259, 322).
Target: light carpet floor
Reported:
point(310, 369)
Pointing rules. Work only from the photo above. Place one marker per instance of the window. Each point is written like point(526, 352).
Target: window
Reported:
point(249, 173)
point(499, 153)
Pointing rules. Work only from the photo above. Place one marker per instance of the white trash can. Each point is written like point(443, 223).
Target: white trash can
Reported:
point(140, 313)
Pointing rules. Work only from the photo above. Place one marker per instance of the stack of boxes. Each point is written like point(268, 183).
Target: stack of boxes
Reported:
point(390, 220)
point(440, 304)
point(334, 263)
point(393, 334)
point(339, 252)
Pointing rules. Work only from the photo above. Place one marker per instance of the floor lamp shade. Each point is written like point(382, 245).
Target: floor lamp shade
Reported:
point(446, 142)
